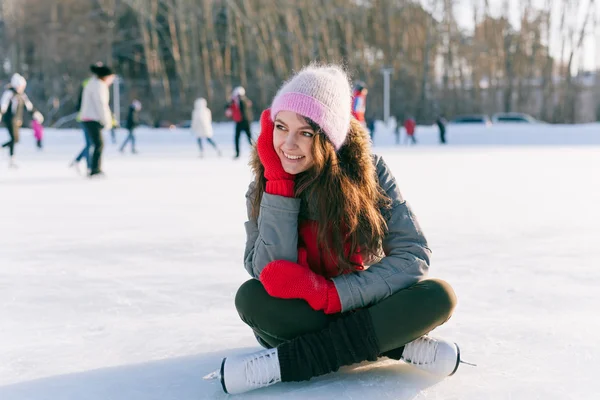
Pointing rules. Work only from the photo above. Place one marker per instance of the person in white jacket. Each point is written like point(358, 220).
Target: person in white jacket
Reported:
point(202, 125)
point(13, 103)
point(95, 111)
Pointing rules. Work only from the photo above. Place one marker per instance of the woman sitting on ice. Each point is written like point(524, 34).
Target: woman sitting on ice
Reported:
point(338, 259)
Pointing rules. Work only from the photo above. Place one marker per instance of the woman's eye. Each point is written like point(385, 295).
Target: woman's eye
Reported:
point(280, 127)
point(308, 134)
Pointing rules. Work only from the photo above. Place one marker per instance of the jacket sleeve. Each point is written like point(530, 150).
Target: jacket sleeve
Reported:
point(406, 258)
point(79, 99)
point(107, 119)
point(274, 236)
point(5, 101)
point(28, 104)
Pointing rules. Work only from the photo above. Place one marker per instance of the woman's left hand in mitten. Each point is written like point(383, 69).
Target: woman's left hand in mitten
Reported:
point(289, 280)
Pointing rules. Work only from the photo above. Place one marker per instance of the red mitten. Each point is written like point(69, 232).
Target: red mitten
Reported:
point(279, 182)
point(289, 280)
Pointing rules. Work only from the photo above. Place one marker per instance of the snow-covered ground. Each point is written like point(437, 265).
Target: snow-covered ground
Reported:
point(123, 288)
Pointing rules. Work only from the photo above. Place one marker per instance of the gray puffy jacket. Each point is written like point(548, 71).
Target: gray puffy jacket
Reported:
point(275, 237)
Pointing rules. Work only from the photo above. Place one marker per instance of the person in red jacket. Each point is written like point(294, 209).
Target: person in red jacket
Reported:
point(410, 126)
point(359, 102)
point(239, 109)
point(337, 257)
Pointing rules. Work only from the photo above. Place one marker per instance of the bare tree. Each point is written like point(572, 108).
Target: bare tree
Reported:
point(169, 52)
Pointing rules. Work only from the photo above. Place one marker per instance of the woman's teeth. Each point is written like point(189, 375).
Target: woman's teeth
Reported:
point(292, 157)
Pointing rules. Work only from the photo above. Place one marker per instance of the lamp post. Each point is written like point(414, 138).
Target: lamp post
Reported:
point(386, 71)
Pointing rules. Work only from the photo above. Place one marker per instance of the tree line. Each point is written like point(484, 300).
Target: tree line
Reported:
point(169, 52)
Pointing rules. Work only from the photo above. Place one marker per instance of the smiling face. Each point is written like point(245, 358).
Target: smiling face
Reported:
point(293, 140)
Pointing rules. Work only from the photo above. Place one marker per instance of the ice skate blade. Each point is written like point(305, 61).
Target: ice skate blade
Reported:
point(213, 375)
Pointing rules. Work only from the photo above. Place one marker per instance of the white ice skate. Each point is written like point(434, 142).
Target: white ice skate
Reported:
point(434, 355)
point(12, 164)
point(75, 166)
point(239, 374)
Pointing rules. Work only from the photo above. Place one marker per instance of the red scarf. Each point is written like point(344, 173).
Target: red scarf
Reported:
point(318, 260)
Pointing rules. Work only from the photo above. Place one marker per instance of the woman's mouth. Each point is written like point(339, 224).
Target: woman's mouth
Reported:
point(291, 157)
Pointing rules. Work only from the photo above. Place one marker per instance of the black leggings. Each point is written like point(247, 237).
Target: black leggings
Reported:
point(13, 131)
point(397, 320)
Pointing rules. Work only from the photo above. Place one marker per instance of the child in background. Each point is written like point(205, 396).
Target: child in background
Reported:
point(38, 129)
point(410, 126)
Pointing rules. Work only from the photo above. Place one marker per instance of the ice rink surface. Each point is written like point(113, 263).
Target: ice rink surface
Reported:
point(122, 288)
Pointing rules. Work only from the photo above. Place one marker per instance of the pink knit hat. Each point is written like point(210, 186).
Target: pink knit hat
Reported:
point(321, 93)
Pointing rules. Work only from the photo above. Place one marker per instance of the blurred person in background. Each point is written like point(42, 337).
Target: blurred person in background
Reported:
point(38, 130)
point(113, 129)
point(359, 102)
point(239, 109)
point(133, 120)
point(95, 112)
point(13, 103)
point(410, 125)
point(85, 152)
point(441, 123)
point(371, 127)
point(202, 125)
point(398, 127)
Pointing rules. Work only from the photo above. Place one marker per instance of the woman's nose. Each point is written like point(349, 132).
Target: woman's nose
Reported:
point(290, 140)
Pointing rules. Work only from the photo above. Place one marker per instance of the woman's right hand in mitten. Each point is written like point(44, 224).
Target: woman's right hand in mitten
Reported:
point(289, 280)
point(279, 182)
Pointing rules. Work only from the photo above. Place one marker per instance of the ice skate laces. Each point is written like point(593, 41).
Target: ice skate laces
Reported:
point(421, 351)
point(262, 369)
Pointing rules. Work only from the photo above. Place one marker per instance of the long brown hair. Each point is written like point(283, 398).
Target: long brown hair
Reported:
point(345, 192)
